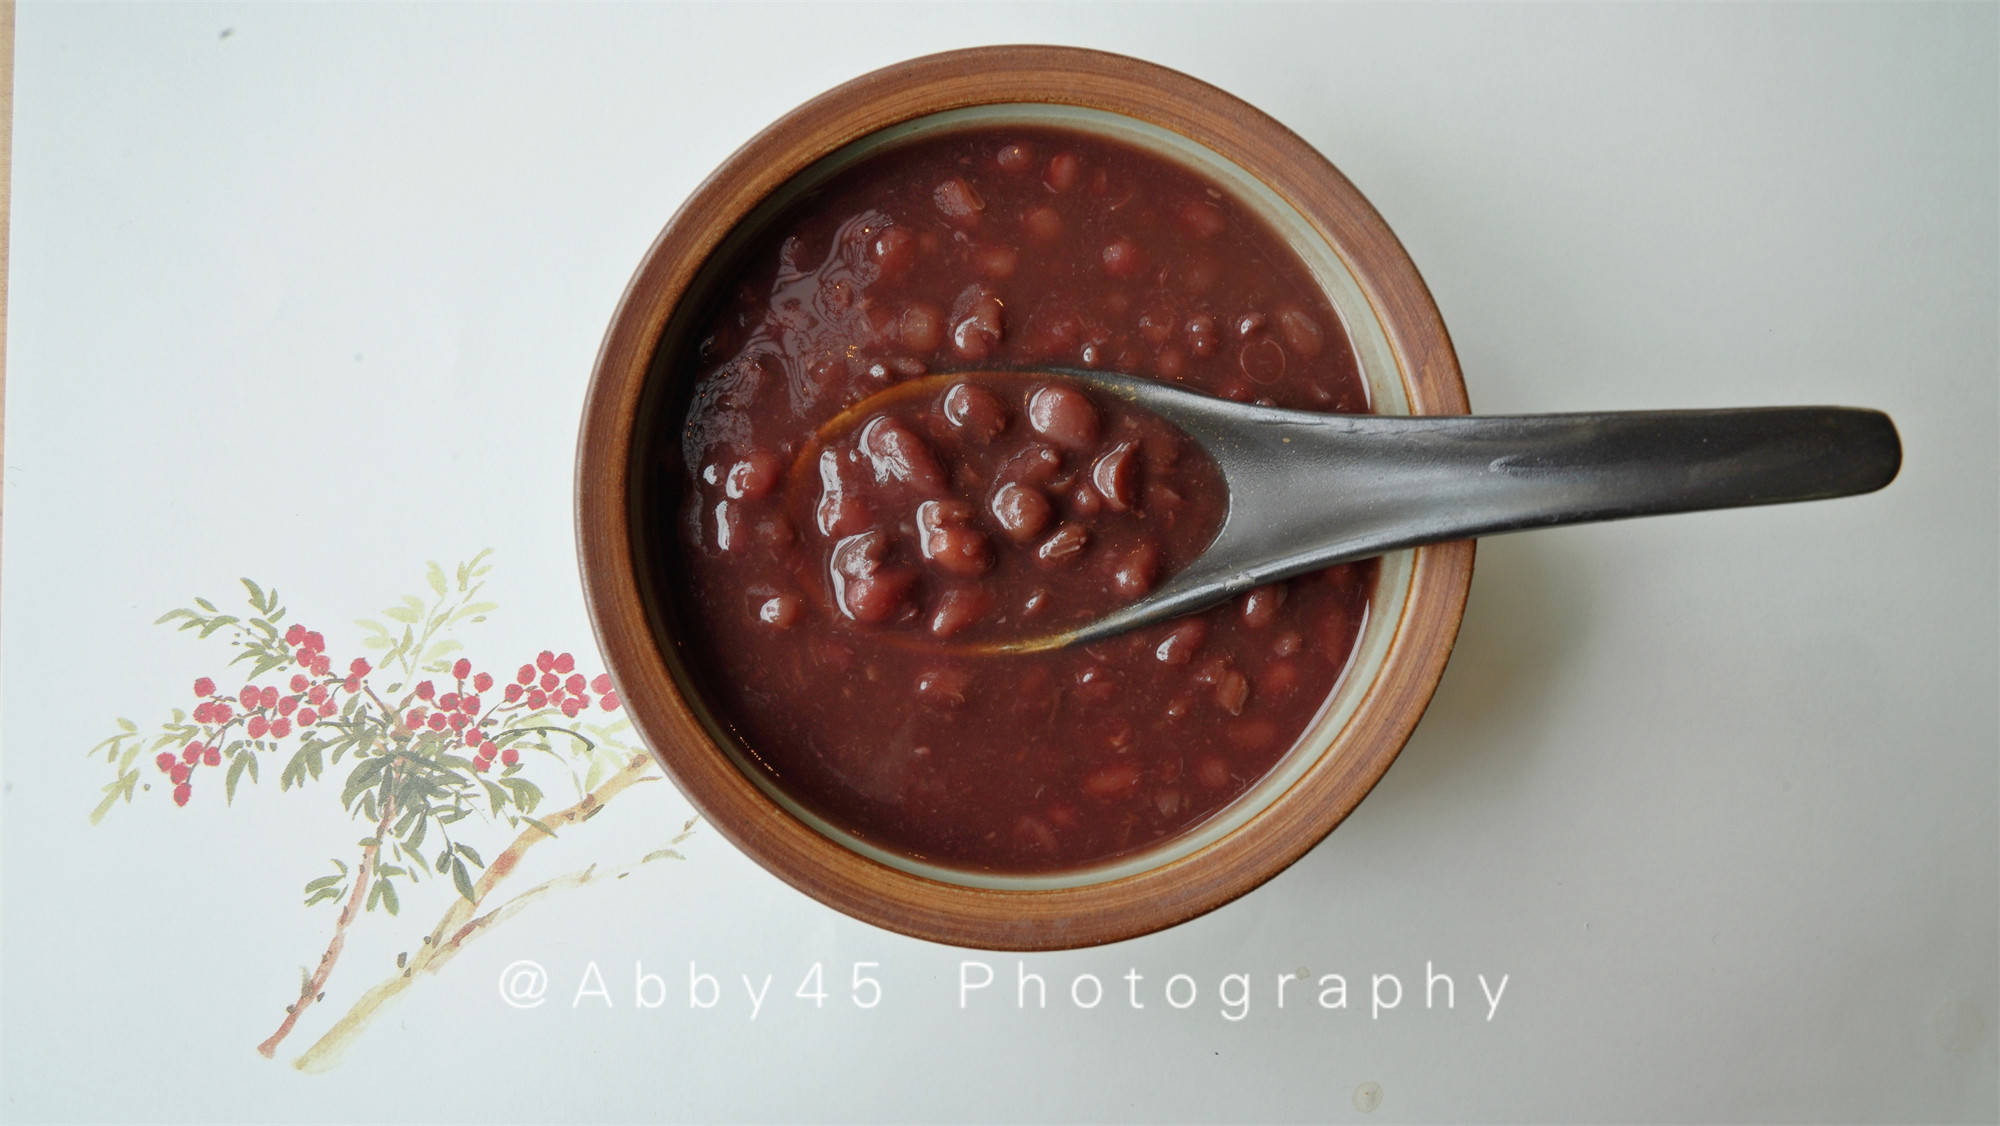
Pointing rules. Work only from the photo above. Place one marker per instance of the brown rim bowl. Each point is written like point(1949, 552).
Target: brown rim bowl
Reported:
point(1405, 355)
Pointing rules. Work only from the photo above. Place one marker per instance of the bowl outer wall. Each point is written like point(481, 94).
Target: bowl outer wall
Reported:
point(865, 889)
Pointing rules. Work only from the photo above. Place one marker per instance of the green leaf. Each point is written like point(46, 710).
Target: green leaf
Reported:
point(236, 766)
point(389, 896)
point(216, 623)
point(401, 613)
point(466, 851)
point(322, 895)
point(537, 824)
point(323, 882)
point(462, 879)
point(127, 724)
point(436, 576)
point(363, 776)
point(256, 594)
point(375, 894)
point(204, 604)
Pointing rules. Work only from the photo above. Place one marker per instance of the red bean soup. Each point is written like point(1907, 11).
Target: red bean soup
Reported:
point(834, 576)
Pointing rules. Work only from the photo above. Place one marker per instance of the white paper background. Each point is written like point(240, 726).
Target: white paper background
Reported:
point(316, 301)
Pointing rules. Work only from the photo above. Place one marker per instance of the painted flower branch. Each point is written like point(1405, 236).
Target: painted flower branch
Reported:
point(433, 754)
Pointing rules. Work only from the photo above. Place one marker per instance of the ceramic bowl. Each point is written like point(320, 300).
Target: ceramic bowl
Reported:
point(1405, 356)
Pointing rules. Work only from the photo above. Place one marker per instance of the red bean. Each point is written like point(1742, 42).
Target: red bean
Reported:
point(958, 201)
point(979, 324)
point(977, 412)
point(1167, 800)
point(1136, 572)
point(1113, 781)
point(996, 262)
point(1043, 224)
point(1253, 734)
point(1064, 546)
point(1249, 325)
point(1094, 686)
point(1279, 678)
point(1170, 363)
point(921, 327)
point(1085, 502)
point(1288, 643)
point(943, 687)
point(775, 532)
point(1063, 416)
point(895, 251)
point(958, 608)
point(1156, 325)
point(1035, 603)
point(1064, 168)
point(1260, 606)
point(1017, 157)
point(780, 610)
point(1035, 834)
point(1212, 772)
point(1203, 335)
point(1180, 646)
point(1122, 258)
point(754, 477)
point(1116, 475)
point(1179, 707)
point(1200, 218)
point(1021, 511)
point(1035, 465)
point(1302, 334)
point(841, 512)
point(864, 589)
point(947, 542)
point(1232, 692)
point(897, 454)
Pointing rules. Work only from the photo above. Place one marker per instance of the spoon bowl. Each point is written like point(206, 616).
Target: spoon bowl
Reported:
point(1308, 490)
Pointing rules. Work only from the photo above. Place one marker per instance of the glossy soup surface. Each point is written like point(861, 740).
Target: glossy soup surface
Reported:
point(827, 586)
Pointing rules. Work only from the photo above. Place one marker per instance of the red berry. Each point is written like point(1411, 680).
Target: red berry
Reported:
point(179, 773)
point(315, 642)
point(280, 727)
point(565, 663)
point(537, 698)
point(510, 756)
point(166, 761)
point(526, 675)
point(352, 684)
point(513, 693)
point(469, 705)
point(286, 705)
point(482, 682)
point(601, 684)
point(250, 697)
point(204, 687)
point(457, 721)
point(320, 665)
point(295, 634)
point(305, 657)
point(299, 682)
point(221, 713)
point(550, 681)
point(574, 685)
point(204, 712)
point(182, 793)
point(270, 697)
point(462, 669)
point(212, 756)
point(437, 721)
point(358, 667)
point(307, 717)
point(426, 690)
point(317, 695)
point(415, 720)
point(571, 707)
point(256, 727)
point(482, 764)
point(191, 754)
point(448, 701)
point(610, 702)
point(583, 699)
point(545, 660)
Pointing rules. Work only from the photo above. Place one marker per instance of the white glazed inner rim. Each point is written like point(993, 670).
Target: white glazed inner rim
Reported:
point(1386, 395)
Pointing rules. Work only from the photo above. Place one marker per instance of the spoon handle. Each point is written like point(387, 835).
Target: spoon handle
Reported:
point(1424, 480)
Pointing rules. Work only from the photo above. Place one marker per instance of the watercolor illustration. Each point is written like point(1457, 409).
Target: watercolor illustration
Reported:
point(449, 764)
